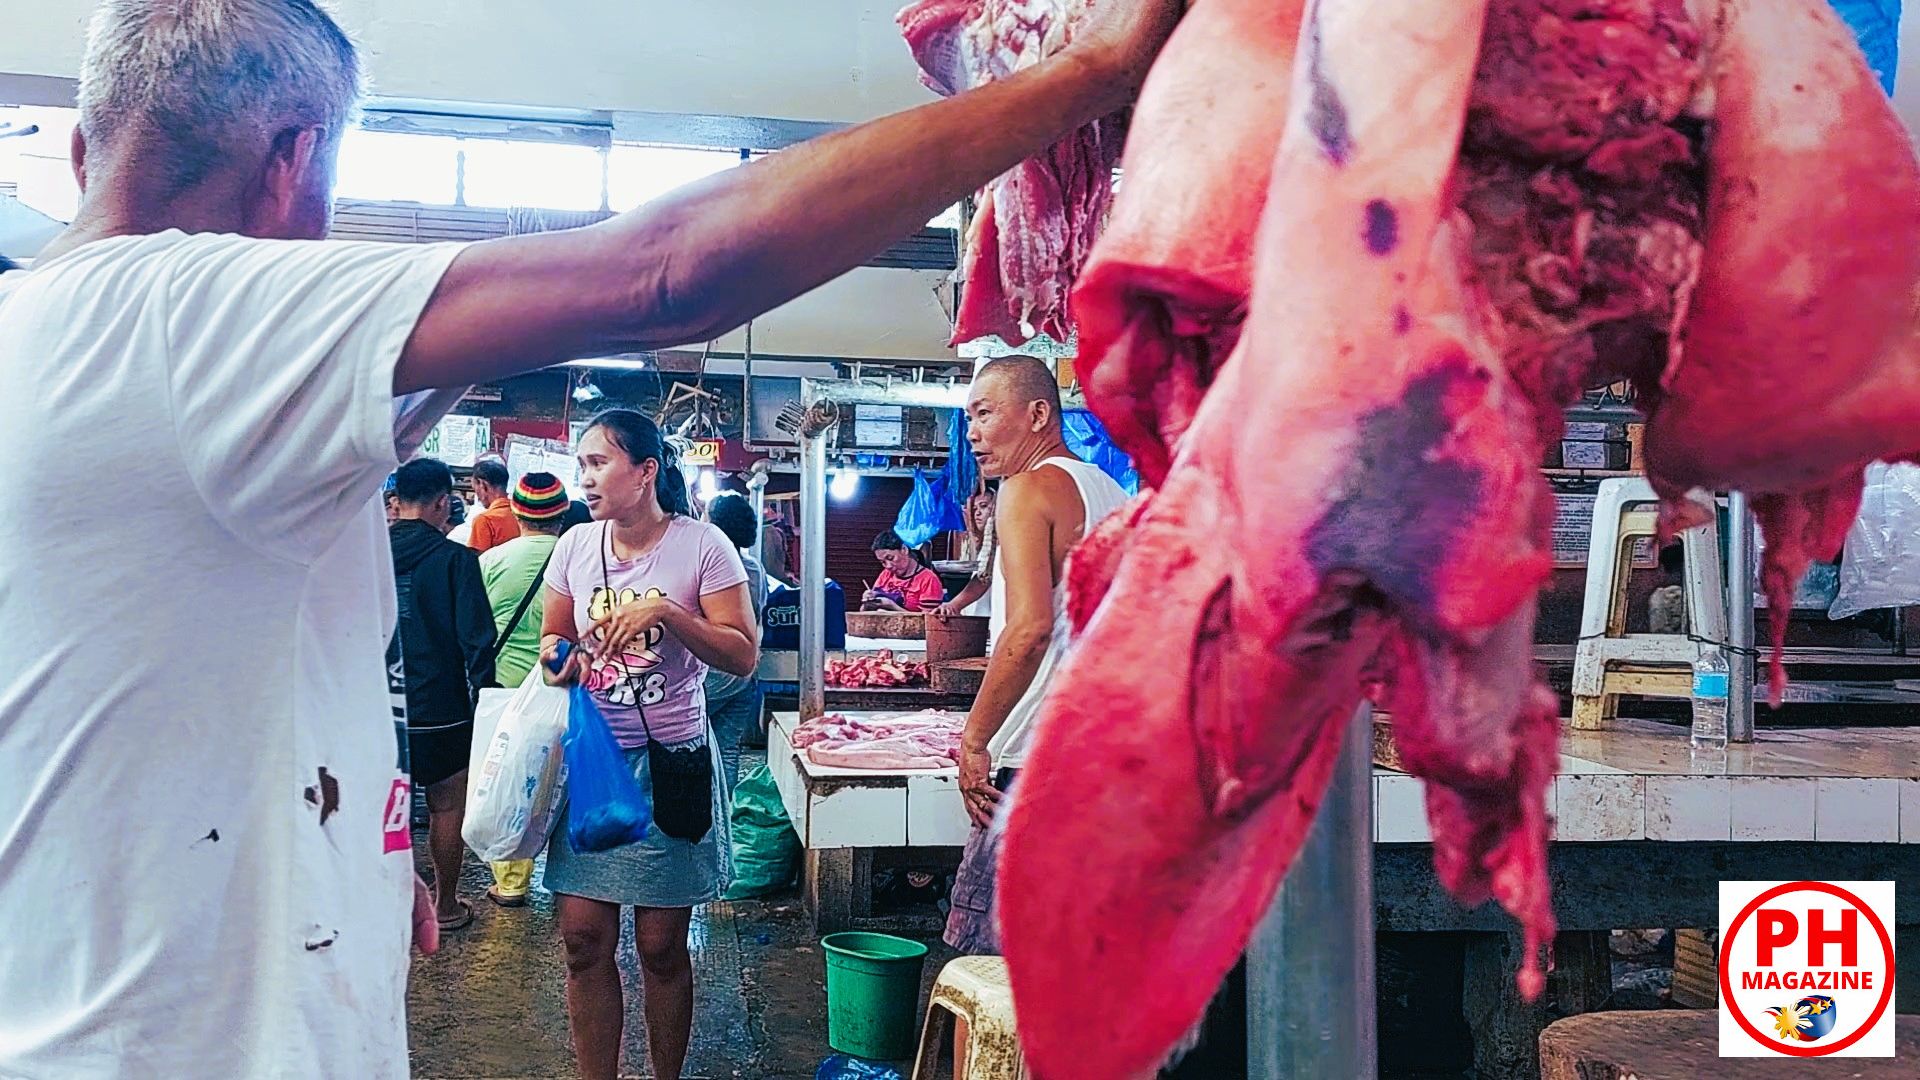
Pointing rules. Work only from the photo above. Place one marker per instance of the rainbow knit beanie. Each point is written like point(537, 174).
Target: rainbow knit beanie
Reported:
point(539, 496)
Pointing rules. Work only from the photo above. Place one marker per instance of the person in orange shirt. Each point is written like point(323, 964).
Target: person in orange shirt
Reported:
point(496, 524)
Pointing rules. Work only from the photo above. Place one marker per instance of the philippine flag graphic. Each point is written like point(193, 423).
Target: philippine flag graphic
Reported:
point(1806, 1020)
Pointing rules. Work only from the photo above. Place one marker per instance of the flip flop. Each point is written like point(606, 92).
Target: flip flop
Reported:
point(460, 921)
point(505, 900)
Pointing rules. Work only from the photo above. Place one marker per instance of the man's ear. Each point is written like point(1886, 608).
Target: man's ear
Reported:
point(77, 152)
point(287, 175)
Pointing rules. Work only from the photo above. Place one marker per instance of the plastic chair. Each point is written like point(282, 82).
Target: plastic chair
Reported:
point(974, 987)
point(1608, 661)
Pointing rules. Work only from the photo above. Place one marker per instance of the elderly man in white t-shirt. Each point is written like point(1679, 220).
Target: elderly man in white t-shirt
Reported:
point(203, 794)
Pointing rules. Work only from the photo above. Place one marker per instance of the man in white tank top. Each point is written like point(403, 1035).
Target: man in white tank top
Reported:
point(1048, 500)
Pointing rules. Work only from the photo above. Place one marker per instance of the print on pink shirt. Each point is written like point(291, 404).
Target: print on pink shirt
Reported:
point(630, 678)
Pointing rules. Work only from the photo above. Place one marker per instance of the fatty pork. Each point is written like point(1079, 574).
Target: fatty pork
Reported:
point(1034, 226)
point(1476, 210)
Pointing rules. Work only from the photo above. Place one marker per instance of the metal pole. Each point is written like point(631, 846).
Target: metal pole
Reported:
point(820, 417)
point(1310, 974)
point(1739, 587)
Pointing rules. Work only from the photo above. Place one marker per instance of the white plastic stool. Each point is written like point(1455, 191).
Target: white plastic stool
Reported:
point(1608, 661)
point(975, 987)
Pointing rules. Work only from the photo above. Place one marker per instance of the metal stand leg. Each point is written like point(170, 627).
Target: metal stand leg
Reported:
point(1739, 588)
point(820, 417)
point(1310, 988)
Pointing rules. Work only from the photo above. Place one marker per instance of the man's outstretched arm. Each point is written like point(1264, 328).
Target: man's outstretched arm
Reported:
point(698, 262)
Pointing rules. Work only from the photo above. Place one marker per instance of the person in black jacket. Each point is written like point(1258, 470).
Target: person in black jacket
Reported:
point(445, 644)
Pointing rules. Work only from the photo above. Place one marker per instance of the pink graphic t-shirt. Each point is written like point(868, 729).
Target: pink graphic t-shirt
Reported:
point(657, 685)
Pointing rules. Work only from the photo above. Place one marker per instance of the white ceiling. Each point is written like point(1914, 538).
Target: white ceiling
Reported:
point(809, 60)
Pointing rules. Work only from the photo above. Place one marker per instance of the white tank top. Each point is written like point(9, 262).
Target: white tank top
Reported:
point(1099, 496)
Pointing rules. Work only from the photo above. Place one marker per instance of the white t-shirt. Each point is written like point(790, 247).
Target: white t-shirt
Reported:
point(204, 863)
point(1100, 495)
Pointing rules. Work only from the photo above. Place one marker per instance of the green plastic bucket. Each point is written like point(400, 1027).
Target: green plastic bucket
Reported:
point(873, 994)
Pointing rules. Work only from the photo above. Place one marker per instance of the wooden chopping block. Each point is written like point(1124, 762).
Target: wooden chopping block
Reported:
point(959, 676)
point(887, 625)
point(1684, 1044)
point(956, 638)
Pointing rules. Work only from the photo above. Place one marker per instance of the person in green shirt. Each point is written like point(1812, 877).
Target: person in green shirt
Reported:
point(512, 573)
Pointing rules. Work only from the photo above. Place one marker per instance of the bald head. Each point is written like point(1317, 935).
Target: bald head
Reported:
point(1014, 409)
point(1023, 380)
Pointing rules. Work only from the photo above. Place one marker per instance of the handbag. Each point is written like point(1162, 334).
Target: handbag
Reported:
point(680, 779)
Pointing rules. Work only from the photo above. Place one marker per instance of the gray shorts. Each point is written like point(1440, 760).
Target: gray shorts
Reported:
point(970, 919)
point(659, 871)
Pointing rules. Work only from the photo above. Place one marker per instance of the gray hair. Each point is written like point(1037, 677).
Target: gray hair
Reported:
point(202, 81)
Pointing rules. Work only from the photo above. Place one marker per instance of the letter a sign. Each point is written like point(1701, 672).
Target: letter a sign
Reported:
point(1806, 969)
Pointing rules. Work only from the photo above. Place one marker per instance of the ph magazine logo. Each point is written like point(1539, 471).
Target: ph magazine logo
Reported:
point(1806, 969)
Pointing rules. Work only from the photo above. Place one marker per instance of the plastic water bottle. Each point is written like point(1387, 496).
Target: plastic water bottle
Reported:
point(1711, 675)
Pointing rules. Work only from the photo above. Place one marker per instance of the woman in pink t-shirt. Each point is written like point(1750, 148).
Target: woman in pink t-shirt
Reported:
point(652, 598)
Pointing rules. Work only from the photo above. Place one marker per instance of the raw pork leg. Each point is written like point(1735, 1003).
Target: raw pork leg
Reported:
point(1256, 591)
point(1036, 224)
point(1356, 506)
point(1161, 301)
point(1799, 364)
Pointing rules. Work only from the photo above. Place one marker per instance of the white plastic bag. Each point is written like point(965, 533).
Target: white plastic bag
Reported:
point(1881, 566)
point(519, 777)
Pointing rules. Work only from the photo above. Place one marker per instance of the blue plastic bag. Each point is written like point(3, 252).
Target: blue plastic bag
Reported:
point(962, 470)
point(847, 1067)
point(605, 807)
point(929, 511)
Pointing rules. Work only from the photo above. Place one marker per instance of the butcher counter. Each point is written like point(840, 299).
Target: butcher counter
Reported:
point(843, 816)
point(1644, 837)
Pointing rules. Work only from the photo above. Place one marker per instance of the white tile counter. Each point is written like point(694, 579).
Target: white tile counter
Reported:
point(1629, 782)
point(1635, 781)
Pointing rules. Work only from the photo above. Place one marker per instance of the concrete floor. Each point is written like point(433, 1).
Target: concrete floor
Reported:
point(492, 1002)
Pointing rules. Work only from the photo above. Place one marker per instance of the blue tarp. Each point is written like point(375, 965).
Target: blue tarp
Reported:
point(1877, 24)
point(1087, 438)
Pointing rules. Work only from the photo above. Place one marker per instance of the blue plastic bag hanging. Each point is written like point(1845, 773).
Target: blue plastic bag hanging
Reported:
point(962, 471)
point(605, 806)
point(928, 511)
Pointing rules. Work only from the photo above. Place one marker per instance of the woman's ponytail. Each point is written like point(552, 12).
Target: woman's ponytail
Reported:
point(670, 485)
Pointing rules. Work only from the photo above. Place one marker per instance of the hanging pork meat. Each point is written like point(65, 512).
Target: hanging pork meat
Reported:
point(1033, 227)
point(1160, 303)
point(1476, 210)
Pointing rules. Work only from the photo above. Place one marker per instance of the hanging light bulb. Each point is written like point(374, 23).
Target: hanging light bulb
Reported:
point(709, 484)
point(845, 483)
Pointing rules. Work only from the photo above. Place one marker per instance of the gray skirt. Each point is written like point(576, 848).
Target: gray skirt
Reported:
point(659, 871)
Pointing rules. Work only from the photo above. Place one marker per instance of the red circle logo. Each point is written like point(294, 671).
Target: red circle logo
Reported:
point(1731, 1003)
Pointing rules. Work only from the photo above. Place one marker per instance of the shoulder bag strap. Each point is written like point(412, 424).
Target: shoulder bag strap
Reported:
point(500, 640)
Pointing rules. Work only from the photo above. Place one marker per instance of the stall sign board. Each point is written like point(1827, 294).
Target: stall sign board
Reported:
point(458, 440)
point(879, 426)
point(525, 455)
point(702, 452)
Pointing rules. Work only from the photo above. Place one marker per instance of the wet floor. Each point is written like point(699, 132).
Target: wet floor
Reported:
point(492, 1002)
